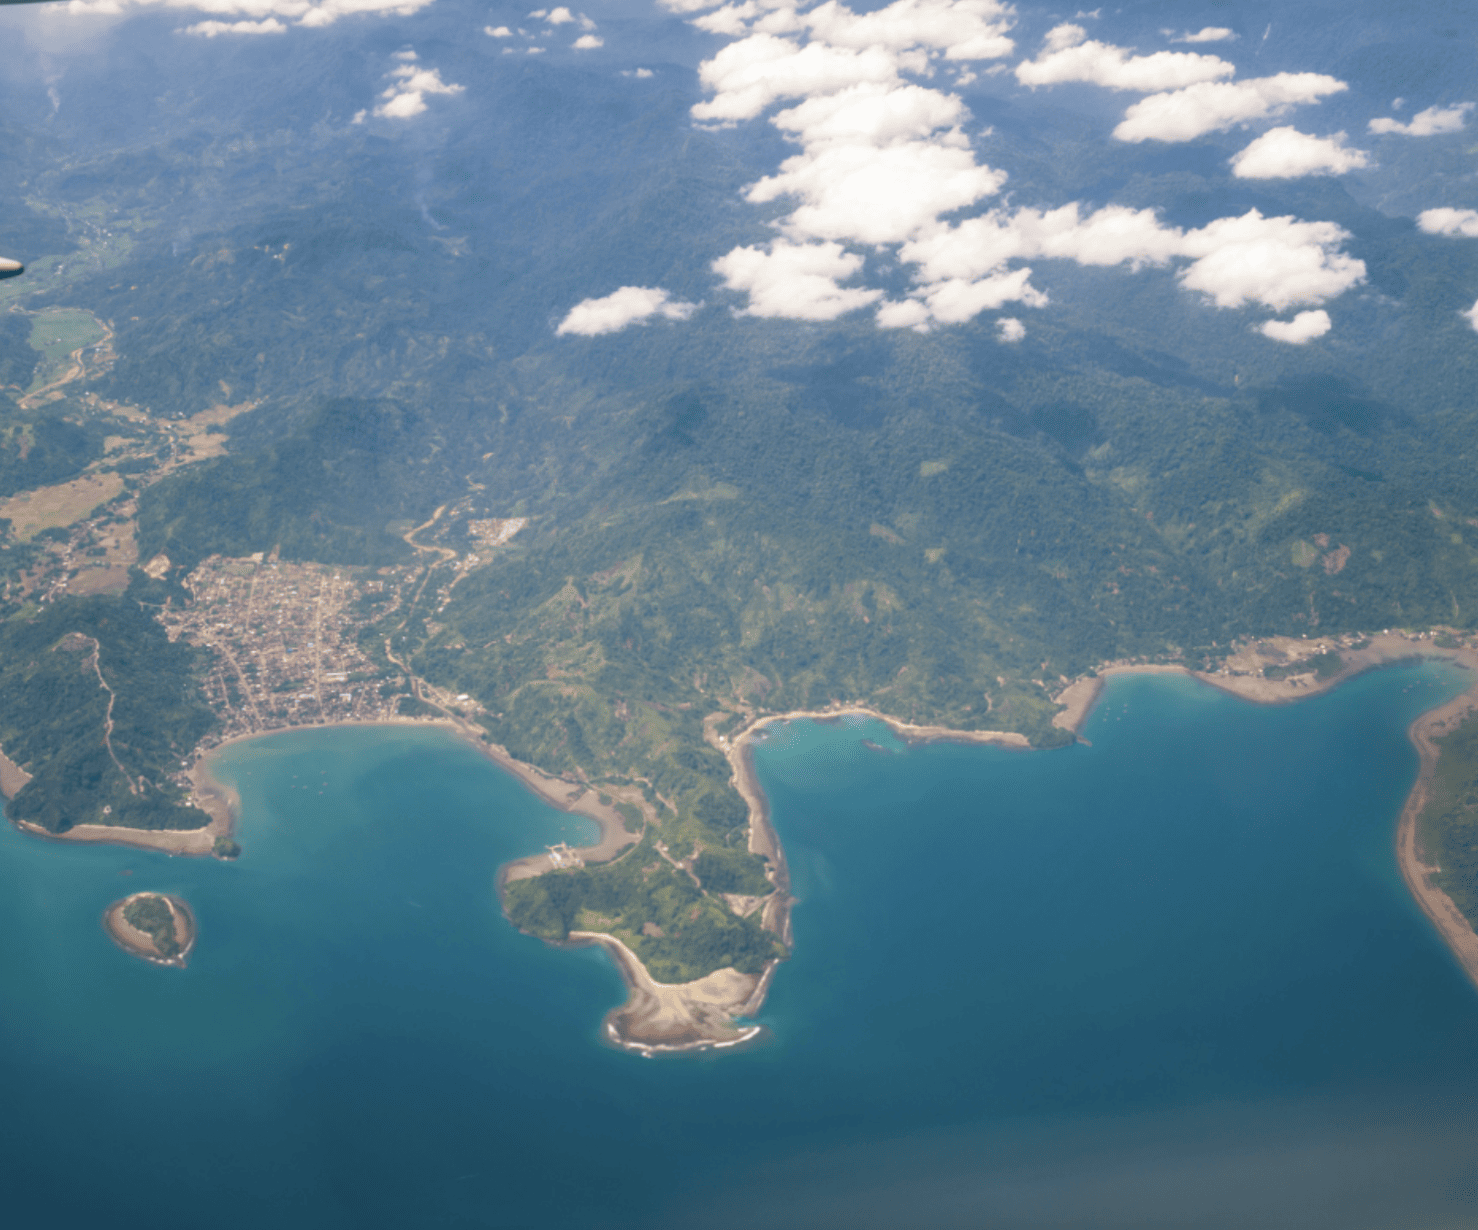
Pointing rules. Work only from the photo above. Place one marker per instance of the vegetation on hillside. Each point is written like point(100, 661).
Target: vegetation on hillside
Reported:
point(679, 931)
point(53, 716)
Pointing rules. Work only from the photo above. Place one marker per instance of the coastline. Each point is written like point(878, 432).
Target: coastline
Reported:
point(222, 804)
point(1242, 675)
point(1452, 925)
point(692, 1017)
point(700, 1015)
point(763, 840)
point(214, 798)
point(1384, 649)
point(221, 801)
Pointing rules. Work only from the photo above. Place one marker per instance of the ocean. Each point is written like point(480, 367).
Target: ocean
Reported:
point(1167, 978)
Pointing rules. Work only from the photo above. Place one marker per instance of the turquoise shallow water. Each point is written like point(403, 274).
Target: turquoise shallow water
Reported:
point(1169, 979)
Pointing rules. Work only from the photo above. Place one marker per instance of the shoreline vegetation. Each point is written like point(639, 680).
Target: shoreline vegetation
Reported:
point(706, 1013)
point(155, 927)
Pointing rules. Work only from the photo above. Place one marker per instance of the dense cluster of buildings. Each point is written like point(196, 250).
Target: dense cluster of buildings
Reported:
point(284, 638)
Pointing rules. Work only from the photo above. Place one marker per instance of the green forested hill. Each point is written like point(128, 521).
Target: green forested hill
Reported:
point(54, 708)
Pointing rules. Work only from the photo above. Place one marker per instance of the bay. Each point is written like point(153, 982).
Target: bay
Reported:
point(1169, 977)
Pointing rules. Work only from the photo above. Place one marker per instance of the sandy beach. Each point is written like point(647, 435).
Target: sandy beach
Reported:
point(775, 912)
point(909, 732)
point(1242, 673)
point(172, 841)
point(689, 1016)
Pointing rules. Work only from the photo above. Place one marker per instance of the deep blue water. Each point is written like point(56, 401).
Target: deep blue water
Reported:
point(1169, 979)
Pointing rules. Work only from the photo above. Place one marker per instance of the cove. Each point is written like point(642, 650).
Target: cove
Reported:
point(1170, 977)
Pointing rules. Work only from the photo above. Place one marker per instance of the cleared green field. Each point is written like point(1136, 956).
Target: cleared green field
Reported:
point(56, 334)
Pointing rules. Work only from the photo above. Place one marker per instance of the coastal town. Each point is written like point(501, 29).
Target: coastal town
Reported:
point(284, 639)
point(294, 644)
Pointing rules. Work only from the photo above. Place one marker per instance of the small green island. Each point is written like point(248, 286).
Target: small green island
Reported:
point(155, 927)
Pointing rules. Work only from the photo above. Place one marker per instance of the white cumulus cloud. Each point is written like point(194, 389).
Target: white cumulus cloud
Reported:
point(883, 166)
point(211, 29)
point(1276, 262)
point(1271, 262)
point(797, 281)
point(1283, 153)
point(497, 31)
point(240, 17)
point(877, 115)
point(1067, 57)
point(1429, 123)
point(405, 96)
point(1206, 34)
point(875, 195)
point(733, 20)
point(1302, 328)
point(1471, 316)
point(960, 29)
point(1462, 223)
point(747, 76)
point(956, 300)
point(589, 42)
point(1213, 106)
point(631, 305)
point(881, 157)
